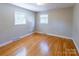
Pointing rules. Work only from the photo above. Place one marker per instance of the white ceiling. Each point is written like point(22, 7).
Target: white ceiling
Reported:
point(45, 7)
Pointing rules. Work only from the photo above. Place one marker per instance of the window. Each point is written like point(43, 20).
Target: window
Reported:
point(20, 18)
point(44, 19)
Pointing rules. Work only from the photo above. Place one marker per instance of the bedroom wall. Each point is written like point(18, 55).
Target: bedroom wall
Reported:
point(75, 31)
point(59, 22)
point(8, 30)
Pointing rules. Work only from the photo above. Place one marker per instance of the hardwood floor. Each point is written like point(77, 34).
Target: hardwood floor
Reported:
point(40, 45)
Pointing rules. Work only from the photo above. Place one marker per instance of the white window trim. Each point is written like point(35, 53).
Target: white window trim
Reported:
point(17, 22)
point(44, 21)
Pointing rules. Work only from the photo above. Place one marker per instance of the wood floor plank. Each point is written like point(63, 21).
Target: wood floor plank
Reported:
point(40, 45)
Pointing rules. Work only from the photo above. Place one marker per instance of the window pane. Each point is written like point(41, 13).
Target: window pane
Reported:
point(20, 18)
point(44, 19)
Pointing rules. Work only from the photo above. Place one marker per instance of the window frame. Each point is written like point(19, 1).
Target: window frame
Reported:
point(44, 21)
point(18, 15)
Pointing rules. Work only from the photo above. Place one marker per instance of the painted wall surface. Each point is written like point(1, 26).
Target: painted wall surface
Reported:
point(8, 29)
point(75, 32)
point(59, 22)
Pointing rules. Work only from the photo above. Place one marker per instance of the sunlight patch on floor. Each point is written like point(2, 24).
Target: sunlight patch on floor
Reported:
point(22, 52)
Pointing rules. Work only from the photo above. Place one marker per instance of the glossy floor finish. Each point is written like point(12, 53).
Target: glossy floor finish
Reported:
point(40, 45)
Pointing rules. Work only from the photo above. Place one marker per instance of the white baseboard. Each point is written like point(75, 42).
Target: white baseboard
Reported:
point(10, 41)
point(56, 35)
point(76, 46)
point(26, 35)
point(5, 43)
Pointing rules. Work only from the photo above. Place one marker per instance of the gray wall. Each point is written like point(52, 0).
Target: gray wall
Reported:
point(59, 22)
point(10, 31)
point(75, 32)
